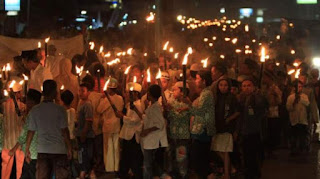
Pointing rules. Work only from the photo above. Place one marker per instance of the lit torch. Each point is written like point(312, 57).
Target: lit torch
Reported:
point(262, 60)
point(105, 88)
point(79, 72)
point(184, 70)
point(46, 46)
point(12, 95)
point(26, 79)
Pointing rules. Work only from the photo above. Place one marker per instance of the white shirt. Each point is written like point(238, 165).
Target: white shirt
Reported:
point(132, 123)
point(111, 124)
point(94, 98)
point(153, 118)
point(298, 112)
point(38, 76)
point(53, 63)
point(71, 121)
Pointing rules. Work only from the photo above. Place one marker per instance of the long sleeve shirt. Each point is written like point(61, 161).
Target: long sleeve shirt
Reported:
point(111, 123)
point(132, 123)
point(204, 114)
point(153, 118)
point(298, 112)
point(38, 76)
point(12, 123)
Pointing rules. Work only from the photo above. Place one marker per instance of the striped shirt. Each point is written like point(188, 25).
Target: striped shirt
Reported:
point(12, 123)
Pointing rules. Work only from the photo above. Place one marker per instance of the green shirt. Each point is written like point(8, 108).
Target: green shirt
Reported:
point(179, 122)
point(23, 138)
point(204, 114)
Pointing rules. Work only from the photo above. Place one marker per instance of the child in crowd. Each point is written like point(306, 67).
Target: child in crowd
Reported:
point(29, 166)
point(154, 131)
point(67, 98)
point(111, 126)
point(84, 131)
point(297, 105)
point(12, 123)
point(179, 135)
point(131, 154)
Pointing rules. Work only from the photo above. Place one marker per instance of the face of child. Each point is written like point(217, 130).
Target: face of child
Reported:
point(223, 86)
point(247, 87)
point(83, 93)
point(177, 93)
point(164, 83)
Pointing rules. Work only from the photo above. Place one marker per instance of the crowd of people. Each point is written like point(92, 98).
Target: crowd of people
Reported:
point(142, 118)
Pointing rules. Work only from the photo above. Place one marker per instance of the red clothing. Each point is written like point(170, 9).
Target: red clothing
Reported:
point(102, 82)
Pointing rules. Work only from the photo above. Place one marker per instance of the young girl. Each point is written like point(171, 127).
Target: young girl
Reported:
point(225, 113)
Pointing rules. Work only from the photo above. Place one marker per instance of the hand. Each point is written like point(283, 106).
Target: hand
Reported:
point(182, 110)
point(144, 133)
point(28, 156)
point(11, 152)
point(119, 114)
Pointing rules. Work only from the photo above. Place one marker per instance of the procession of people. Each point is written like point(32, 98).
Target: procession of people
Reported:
point(213, 109)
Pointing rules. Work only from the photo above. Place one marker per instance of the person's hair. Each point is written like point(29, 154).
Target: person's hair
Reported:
point(90, 81)
point(97, 67)
point(67, 97)
point(31, 56)
point(206, 76)
point(34, 95)
point(221, 67)
point(193, 74)
point(78, 58)
point(49, 88)
point(251, 80)
point(85, 85)
point(155, 91)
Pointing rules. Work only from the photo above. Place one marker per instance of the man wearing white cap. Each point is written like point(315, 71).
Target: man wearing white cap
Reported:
point(111, 126)
point(165, 84)
point(12, 128)
point(131, 154)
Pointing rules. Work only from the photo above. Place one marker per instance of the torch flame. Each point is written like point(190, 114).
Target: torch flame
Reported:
point(176, 55)
point(263, 55)
point(158, 74)
point(171, 49)
point(106, 85)
point(5, 92)
point(12, 83)
point(296, 64)
point(47, 40)
point(129, 51)
point(25, 77)
point(293, 52)
point(127, 70)
point(62, 87)
point(107, 55)
point(190, 50)
point(4, 68)
point(39, 44)
point(21, 82)
point(131, 88)
point(101, 49)
point(291, 72)
point(165, 47)
point(150, 17)
point(148, 76)
point(91, 45)
point(205, 63)
point(134, 79)
point(79, 70)
point(185, 59)
point(297, 74)
point(115, 61)
point(8, 67)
